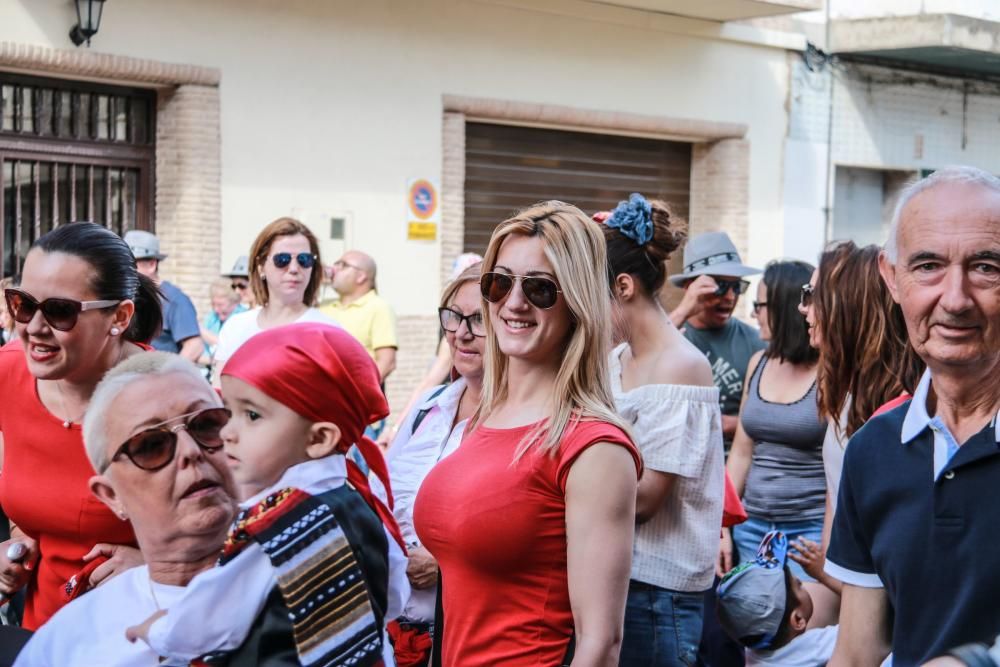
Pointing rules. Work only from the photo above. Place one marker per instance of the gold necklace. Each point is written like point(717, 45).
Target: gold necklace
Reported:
point(62, 397)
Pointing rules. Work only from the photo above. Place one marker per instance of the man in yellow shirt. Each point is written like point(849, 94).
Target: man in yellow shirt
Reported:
point(361, 311)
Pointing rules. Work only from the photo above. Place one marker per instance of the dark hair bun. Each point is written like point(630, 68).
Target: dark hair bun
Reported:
point(644, 261)
point(669, 232)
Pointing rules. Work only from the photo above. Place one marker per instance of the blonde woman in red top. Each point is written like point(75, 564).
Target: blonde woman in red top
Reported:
point(532, 518)
point(81, 308)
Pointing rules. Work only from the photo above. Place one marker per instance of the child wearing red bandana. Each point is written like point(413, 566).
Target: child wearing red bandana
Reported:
point(313, 568)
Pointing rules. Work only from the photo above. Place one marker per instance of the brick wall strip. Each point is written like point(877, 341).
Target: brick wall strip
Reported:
point(553, 115)
point(105, 66)
point(720, 189)
point(452, 192)
point(720, 196)
point(418, 341)
point(188, 188)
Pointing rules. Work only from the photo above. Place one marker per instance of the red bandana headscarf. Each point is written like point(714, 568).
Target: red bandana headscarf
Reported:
point(324, 374)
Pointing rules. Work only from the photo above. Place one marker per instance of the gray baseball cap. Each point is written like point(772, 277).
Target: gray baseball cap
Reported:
point(713, 254)
point(752, 597)
point(241, 269)
point(144, 245)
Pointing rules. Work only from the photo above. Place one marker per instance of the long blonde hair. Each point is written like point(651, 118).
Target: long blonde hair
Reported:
point(575, 247)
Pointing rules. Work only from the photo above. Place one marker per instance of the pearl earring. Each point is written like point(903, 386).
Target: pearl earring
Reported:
point(115, 331)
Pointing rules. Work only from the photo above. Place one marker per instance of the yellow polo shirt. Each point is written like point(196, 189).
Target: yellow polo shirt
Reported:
point(369, 319)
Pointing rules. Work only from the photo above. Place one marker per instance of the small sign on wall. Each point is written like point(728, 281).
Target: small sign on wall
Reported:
point(423, 210)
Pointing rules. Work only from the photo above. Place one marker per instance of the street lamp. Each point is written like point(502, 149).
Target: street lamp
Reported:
point(88, 20)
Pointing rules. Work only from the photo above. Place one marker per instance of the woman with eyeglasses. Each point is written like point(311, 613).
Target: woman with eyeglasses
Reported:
point(285, 276)
point(663, 388)
point(531, 519)
point(776, 462)
point(80, 308)
point(429, 433)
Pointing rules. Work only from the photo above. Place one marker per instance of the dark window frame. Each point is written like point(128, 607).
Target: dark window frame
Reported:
point(84, 149)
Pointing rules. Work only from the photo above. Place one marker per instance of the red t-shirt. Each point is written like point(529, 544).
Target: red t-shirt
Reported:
point(43, 489)
point(498, 531)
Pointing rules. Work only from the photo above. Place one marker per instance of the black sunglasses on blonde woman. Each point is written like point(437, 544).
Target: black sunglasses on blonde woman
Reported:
point(540, 291)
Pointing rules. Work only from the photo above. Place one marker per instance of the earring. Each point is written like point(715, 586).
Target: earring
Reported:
point(121, 515)
point(115, 331)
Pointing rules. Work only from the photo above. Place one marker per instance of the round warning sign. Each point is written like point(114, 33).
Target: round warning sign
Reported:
point(423, 200)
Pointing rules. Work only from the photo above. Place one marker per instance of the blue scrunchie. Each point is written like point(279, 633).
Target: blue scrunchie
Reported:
point(633, 218)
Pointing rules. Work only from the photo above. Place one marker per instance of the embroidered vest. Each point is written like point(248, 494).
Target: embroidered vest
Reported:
point(330, 555)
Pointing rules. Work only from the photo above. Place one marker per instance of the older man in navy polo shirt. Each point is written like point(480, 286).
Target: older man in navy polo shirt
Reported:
point(915, 537)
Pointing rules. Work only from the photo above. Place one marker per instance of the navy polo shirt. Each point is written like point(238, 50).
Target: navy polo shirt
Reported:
point(926, 530)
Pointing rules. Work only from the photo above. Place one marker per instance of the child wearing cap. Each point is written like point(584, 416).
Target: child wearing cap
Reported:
point(762, 605)
point(313, 568)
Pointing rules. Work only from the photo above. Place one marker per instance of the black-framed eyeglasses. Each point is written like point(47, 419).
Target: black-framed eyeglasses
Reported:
point(155, 447)
point(806, 298)
point(757, 305)
point(737, 286)
point(239, 286)
point(451, 321)
point(540, 291)
point(304, 259)
point(61, 314)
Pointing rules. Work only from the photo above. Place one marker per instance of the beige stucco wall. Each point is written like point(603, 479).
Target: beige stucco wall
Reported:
point(327, 108)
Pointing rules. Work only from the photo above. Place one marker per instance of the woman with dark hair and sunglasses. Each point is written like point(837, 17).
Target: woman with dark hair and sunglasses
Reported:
point(80, 308)
point(663, 388)
point(429, 433)
point(285, 275)
point(531, 519)
point(776, 462)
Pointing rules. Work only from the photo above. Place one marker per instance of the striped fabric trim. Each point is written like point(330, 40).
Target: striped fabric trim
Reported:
point(318, 575)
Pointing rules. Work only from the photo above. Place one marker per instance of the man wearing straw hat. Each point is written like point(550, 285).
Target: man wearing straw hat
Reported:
point(713, 282)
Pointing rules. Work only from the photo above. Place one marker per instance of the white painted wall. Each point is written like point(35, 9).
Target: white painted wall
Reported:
point(851, 9)
point(328, 107)
point(887, 120)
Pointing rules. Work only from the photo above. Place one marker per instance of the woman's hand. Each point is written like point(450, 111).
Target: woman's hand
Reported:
point(421, 568)
point(120, 558)
point(724, 561)
point(15, 574)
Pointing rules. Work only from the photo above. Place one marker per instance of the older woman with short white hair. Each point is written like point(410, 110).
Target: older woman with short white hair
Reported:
point(152, 434)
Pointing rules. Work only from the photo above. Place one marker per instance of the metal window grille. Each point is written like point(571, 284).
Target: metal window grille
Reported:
point(72, 151)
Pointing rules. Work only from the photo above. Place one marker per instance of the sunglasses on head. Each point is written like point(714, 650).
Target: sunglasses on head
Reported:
point(541, 292)
point(806, 298)
point(155, 447)
point(61, 314)
point(451, 321)
point(737, 286)
point(283, 259)
point(239, 286)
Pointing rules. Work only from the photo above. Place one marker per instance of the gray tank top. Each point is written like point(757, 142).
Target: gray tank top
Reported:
point(786, 481)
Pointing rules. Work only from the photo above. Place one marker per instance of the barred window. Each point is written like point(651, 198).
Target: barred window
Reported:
point(72, 151)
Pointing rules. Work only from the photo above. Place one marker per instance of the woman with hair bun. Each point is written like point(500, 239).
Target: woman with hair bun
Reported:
point(663, 388)
point(80, 308)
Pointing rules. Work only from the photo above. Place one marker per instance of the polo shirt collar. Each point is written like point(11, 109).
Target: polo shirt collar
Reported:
point(917, 420)
point(360, 302)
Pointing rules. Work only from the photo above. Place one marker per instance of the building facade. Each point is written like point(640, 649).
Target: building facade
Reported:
point(338, 113)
